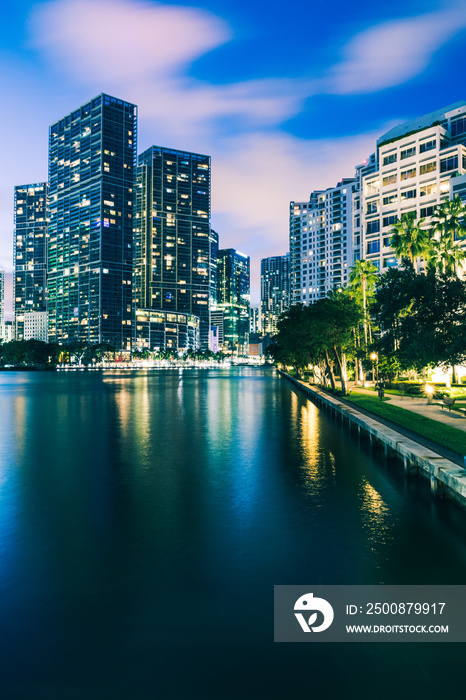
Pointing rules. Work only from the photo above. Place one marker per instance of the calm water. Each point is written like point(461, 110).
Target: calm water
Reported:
point(145, 517)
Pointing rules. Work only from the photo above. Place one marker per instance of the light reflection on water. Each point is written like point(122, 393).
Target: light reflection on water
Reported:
point(145, 517)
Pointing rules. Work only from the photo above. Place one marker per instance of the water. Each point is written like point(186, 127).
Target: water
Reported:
point(146, 516)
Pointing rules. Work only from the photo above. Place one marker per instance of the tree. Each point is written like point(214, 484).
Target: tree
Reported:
point(409, 240)
point(448, 226)
point(362, 279)
point(422, 319)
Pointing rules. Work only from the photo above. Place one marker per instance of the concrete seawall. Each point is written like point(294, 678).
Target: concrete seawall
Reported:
point(446, 478)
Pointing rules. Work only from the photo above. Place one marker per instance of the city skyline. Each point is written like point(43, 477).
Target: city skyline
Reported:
point(281, 108)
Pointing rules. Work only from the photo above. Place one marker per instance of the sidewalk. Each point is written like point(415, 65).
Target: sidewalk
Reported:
point(418, 404)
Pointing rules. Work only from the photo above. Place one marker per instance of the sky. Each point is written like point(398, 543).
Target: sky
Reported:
point(285, 98)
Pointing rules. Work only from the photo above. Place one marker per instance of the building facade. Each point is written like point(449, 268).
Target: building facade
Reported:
point(173, 268)
point(233, 299)
point(35, 326)
point(29, 252)
point(321, 242)
point(255, 319)
point(275, 290)
point(92, 160)
point(418, 165)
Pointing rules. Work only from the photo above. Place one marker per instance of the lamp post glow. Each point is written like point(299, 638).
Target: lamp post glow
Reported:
point(429, 392)
point(374, 358)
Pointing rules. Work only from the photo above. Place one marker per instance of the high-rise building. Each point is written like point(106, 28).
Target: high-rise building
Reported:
point(254, 319)
point(418, 163)
point(321, 242)
point(173, 243)
point(275, 290)
point(233, 298)
point(29, 252)
point(92, 159)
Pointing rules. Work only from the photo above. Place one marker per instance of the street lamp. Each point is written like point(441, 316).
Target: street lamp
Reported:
point(374, 358)
point(429, 392)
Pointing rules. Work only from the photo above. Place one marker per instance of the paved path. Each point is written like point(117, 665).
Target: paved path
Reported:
point(419, 405)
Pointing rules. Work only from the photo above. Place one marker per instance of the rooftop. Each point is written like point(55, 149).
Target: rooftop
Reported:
point(419, 123)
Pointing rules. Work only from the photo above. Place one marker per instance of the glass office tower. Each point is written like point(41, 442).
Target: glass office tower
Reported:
point(30, 252)
point(233, 298)
point(275, 290)
point(92, 160)
point(172, 241)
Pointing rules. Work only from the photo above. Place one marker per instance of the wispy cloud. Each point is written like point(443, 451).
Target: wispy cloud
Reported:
point(124, 39)
point(394, 52)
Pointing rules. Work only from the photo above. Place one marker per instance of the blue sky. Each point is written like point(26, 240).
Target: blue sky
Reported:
point(286, 98)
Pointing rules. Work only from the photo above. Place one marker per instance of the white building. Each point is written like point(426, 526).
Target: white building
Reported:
point(35, 325)
point(417, 162)
point(321, 242)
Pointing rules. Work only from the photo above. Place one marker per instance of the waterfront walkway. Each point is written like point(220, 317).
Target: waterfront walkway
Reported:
point(418, 404)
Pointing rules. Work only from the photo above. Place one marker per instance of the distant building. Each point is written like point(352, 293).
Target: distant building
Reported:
point(29, 252)
point(254, 319)
point(275, 290)
point(8, 331)
point(321, 242)
point(92, 159)
point(165, 330)
point(233, 298)
point(173, 242)
point(216, 324)
point(35, 325)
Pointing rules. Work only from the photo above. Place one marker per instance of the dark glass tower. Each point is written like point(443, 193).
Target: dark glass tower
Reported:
point(275, 290)
point(30, 252)
point(233, 298)
point(92, 160)
point(172, 240)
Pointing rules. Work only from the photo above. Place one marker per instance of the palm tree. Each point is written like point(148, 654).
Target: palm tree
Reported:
point(362, 278)
point(410, 240)
point(448, 225)
point(446, 256)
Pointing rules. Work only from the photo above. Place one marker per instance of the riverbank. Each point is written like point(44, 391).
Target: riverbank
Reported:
point(447, 477)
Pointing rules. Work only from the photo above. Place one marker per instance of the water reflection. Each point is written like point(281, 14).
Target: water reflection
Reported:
point(145, 518)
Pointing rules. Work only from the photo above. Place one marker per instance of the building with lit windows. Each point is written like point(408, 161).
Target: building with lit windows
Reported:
point(92, 160)
point(321, 242)
point(275, 290)
point(233, 299)
point(173, 242)
point(35, 326)
point(419, 163)
point(254, 319)
point(29, 252)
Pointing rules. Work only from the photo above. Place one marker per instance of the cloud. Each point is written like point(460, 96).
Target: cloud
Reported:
point(121, 39)
point(392, 53)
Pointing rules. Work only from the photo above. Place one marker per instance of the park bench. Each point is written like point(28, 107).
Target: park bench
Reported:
point(446, 402)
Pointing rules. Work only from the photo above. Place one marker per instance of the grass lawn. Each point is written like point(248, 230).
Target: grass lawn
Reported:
point(433, 430)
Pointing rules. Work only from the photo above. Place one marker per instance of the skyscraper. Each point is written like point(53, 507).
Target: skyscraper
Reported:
point(92, 159)
point(275, 290)
point(321, 242)
point(30, 252)
point(173, 240)
point(233, 298)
